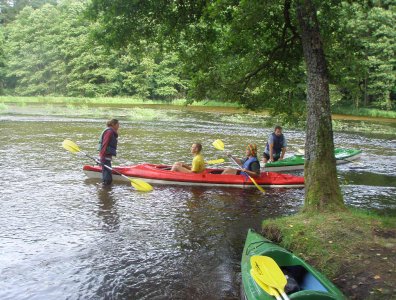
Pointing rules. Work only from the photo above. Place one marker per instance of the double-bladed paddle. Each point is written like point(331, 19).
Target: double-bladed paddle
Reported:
point(219, 145)
point(138, 184)
point(268, 289)
point(268, 271)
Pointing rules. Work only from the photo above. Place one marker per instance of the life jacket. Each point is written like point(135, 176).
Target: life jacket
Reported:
point(278, 144)
point(112, 146)
point(246, 165)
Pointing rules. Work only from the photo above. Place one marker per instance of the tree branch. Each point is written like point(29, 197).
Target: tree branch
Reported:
point(284, 42)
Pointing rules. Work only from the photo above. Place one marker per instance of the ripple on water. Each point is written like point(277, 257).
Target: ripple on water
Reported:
point(66, 237)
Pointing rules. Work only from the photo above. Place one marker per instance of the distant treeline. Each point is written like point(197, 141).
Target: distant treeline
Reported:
point(49, 51)
point(47, 48)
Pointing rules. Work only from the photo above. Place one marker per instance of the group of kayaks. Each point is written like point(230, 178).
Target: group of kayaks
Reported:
point(268, 270)
point(212, 177)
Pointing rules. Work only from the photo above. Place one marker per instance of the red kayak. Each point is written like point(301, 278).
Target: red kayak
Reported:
point(161, 174)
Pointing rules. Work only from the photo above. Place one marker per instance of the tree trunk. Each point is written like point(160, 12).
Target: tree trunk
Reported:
point(389, 102)
point(322, 191)
point(365, 91)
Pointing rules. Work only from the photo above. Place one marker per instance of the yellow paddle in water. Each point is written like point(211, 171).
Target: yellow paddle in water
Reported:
point(219, 145)
point(268, 289)
point(138, 184)
point(269, 273)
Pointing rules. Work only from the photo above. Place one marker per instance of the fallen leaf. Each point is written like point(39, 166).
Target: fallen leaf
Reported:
point(377, 277)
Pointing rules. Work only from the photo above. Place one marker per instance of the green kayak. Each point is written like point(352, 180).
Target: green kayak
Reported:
point(296, 162)
point(303, 281)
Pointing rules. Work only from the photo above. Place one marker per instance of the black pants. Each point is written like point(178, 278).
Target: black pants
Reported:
point(106, 173)
point(276, 156)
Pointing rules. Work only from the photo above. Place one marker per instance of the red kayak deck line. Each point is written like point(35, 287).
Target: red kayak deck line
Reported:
point(161, 174)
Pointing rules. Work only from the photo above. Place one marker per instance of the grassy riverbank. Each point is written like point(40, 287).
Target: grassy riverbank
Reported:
point(364, 112)
point(108, 101)
point(355, 249)
point(339, 113)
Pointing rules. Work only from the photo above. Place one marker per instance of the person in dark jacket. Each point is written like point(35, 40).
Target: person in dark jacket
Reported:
point(107, 148)
point(276, 146)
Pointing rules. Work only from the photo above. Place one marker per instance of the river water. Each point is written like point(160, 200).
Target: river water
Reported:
point(64, 236)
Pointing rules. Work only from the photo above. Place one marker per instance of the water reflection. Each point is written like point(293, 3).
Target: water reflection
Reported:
point(65, 237)
point(107, 210)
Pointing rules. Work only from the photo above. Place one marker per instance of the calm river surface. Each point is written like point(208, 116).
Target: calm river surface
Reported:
point(65, 237)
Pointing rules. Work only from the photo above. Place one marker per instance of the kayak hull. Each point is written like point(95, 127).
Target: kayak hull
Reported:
point(296, 162)
point(312, 284)
point(161, 174)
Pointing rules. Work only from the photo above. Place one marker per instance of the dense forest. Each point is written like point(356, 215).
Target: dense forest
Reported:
point(56, 48)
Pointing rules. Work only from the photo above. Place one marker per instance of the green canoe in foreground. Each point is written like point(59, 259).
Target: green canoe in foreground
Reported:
point(304, 281)
point(296, 162)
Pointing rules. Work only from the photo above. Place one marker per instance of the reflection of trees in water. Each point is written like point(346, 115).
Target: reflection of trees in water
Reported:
point(107, 209)
point(212, 230)
point(217, 214)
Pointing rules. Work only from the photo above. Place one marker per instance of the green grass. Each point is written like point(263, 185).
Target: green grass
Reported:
point(365, 112)
point(77, 103)
point(330, 240)
point(107, 100)
point(3, 107)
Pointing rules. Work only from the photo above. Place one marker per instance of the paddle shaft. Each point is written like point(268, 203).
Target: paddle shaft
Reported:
point(103, 165)
point(219, 145)
point(240, 168)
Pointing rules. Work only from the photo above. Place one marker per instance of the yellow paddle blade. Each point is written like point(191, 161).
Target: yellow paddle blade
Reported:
point(218, 144)
point(141, 185)
point(265, 287)
point(268, 271)
point(69, 145)
point(215, 161)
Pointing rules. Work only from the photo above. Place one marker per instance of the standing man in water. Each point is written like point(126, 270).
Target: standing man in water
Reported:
point(108, 148)
point(276, 146)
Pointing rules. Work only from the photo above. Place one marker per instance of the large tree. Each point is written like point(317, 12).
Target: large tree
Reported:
point(322, 188)
point(245, 51)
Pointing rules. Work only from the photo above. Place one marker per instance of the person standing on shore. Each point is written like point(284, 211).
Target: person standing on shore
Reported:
point(107, 148)
point(276, 146)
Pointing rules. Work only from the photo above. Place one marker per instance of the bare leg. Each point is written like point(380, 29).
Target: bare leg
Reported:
point(229, 171)
point(178, 167)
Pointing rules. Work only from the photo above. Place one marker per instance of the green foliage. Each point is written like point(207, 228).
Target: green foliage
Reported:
point(2, 61)
point(233, 51)
point(250, 51)
point(363, 57)
point(50, 52)
point(10, 8)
